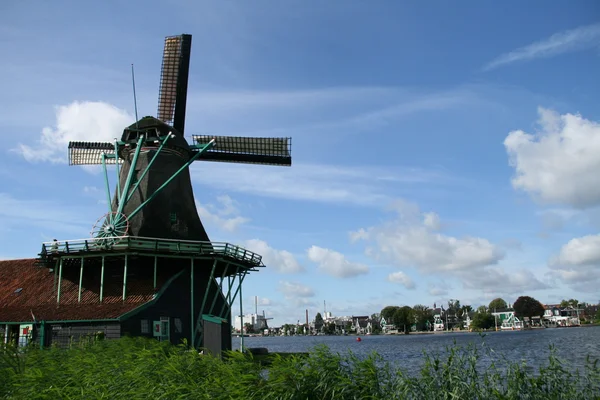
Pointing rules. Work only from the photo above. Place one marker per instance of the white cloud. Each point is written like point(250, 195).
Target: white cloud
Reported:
point(578, 264)
point(79, 121)
point(580, 252)
point(411, 240)
point(432, 221)
point(225, 215)
point(560, 163)
point(401, 278)
point(581, 38)
point(437, 291)
point(335, 264)
point(498, 281)
point(323, 183)
point(295, 290)
point(265, 302)
point(281, 261)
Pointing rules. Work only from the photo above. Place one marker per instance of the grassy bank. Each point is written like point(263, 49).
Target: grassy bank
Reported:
point(142, 369)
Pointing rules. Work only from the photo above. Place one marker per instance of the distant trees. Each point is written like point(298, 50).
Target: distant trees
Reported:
point(403, 317)
point(526, 306)
point(482, 320)
point(329, 328)
point(248, 328)
point(388, 313)
point(422, 315)
point(497, 304)
point(569, 303)
point(318, 322)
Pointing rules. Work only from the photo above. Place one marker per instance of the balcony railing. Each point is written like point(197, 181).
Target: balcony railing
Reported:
point(154, 245)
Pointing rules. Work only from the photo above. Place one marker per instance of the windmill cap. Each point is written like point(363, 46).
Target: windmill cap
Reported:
point(151, 123)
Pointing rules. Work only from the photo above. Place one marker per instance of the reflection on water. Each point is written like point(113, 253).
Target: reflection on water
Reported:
point(572, 345)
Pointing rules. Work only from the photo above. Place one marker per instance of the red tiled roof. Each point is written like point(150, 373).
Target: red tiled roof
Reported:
point(37, 294)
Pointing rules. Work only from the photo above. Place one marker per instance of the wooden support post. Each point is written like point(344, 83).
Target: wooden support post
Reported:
point(102, 280)
point(193, 321)
point(59, 281)
point(125, 278)
point(80, 280)
point(155, 267)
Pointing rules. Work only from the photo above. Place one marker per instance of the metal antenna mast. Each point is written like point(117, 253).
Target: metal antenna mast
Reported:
point(134, 96)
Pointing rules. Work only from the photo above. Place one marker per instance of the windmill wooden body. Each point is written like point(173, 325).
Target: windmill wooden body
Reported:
point(151, 235)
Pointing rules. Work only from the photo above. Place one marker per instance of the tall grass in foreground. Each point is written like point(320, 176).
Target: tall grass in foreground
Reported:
point(146, 369)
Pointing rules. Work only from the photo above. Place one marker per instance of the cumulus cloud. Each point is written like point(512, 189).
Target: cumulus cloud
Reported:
point(578, 263)
point(335, 264)
point(281, 261)
point(224, 214)
point(496, 280)
point(401, 278)
point(580, 251)
point(559, 164)
point(79, 121)
point(411, 239)
point(581, 38)
point(295, 290)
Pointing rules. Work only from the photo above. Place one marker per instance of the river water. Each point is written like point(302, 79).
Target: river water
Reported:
point(572, 345)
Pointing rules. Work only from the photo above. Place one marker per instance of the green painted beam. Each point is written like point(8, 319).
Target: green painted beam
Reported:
point(130, 173)
point(162, 144)
point(107, 183)
point(118, 191)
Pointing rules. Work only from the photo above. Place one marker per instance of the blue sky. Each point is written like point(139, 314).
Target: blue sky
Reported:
point(440, 151)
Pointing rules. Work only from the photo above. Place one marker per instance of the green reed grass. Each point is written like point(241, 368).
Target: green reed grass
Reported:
point(137, 368)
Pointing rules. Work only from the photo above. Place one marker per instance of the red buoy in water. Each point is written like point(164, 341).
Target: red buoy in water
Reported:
point(358, 339)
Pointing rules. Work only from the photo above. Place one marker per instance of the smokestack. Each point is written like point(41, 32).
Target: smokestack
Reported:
point(307, 317)
point(324, 308)
point(256, 305)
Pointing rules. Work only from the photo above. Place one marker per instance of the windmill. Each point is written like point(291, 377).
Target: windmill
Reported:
point(153, 195)
point(151, 242)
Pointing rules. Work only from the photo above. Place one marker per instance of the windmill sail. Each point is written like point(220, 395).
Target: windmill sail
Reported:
point(174, 81)
point(247, 150)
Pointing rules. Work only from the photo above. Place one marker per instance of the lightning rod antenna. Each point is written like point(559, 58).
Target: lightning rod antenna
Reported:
point(134, 96)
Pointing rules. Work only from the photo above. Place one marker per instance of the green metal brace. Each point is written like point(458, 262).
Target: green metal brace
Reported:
point(129, 176)
point(227, 301)
point(117, 169)
point(220, 290)
point(164, 141)
point(106, 181)
point(212, 274)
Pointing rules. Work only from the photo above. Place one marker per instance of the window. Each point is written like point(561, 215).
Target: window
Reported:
point(173, 217)
point(178, 326)
point(145, 326)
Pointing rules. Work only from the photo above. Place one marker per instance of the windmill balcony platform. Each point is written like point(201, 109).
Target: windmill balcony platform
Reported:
point(148, 246)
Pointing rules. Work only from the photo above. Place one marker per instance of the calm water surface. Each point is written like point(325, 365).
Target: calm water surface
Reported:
point(572, 345)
